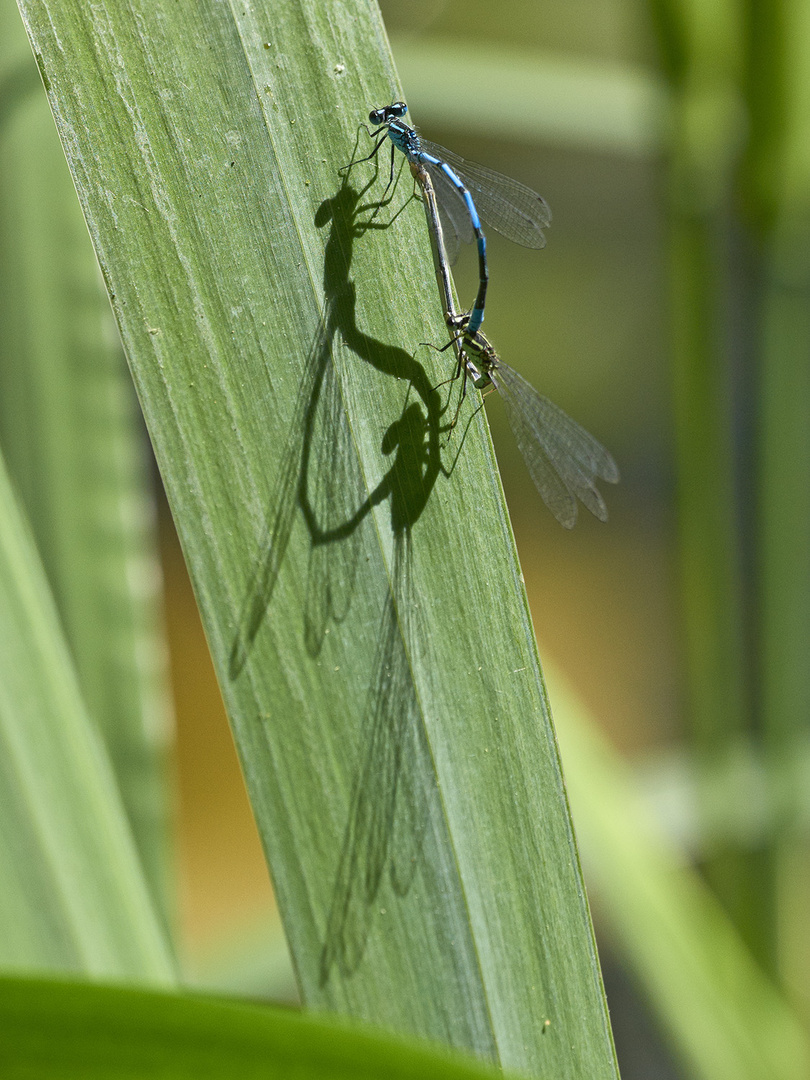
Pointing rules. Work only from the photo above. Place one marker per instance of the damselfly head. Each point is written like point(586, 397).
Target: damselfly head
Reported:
point(390, 112)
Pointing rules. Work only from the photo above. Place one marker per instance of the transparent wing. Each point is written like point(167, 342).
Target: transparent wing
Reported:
point(449, 235)
point(563, 459)
point(517, 212)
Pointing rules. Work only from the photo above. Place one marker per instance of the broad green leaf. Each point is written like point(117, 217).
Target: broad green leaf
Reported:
point(72, 895)
point(74, 449)
point(58, 1030)
point(353, 563)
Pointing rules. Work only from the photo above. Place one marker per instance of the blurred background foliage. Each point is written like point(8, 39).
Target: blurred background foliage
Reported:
point(669, 314)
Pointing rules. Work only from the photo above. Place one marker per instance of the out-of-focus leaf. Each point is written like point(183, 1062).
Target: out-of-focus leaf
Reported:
point(75, 450)
point(72, 894)
point(65, 1030)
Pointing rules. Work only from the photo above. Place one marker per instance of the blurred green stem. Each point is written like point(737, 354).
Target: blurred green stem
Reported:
point(784, 535)
point(777, 191)
point(701, 53)
point(746, 173)
point(713, 607)
point(76, 453)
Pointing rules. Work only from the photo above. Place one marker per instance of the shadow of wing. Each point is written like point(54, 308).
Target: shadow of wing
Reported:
point(334, 496)
point(389, 799)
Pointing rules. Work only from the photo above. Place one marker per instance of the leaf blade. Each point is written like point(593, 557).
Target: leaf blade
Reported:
point(239, 313)
point(73, 895)
point(76, 454)
point(68, 1029)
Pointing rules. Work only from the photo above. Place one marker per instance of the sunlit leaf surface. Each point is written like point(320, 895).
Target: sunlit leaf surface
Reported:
point(353, 563)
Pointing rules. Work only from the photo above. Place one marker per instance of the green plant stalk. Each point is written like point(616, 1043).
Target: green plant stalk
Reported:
point(701, 48)
point(709, 545)
point(72, 895)
point(784, 534)
point(76, 451)
point(705, 474)
point(382, 684)
point(777, 191)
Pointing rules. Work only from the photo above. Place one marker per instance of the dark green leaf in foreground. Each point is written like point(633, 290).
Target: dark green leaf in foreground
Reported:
point(56, 1031)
